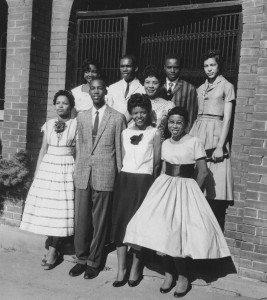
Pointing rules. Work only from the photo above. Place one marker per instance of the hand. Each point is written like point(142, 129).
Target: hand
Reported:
point(217, 155)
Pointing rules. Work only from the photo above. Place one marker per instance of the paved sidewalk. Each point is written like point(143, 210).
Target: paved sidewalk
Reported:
point(22, 277)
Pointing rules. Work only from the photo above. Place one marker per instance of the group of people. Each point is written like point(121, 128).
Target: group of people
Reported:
point(145, 154)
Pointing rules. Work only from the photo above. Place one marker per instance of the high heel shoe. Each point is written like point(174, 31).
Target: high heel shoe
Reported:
point(119, 283)
point(165, 291)
point(180, 295)
point(133, 283)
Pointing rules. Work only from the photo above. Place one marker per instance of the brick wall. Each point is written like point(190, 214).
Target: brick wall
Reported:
point(39, 73)
point(11, 212)
point(58, 50)
point(246, 221)
point(17, 76)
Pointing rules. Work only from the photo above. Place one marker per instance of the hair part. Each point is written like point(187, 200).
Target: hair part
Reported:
point(67, 94)
point(216, 54)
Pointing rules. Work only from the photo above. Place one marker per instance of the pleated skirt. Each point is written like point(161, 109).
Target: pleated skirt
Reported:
point(49, 207)
point(176, 219)
point(219, 182)
point(129, 193)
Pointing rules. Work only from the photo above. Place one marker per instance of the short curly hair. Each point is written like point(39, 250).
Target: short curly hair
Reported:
point(66, 93)
point(152, 71)
point(216, 54)
point(181, 111)
point(139, 100)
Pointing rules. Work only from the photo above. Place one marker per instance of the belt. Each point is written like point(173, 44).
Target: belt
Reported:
point(214, 117)
point(185, 171)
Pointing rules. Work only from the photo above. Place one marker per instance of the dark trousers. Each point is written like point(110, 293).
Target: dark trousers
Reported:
point(92, 219)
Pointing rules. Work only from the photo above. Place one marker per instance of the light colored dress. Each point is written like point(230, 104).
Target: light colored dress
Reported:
point(175, 218)
point(83, 100)
point(208, 127)
point(49, 207)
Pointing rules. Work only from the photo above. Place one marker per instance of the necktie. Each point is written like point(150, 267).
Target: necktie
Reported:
point(95, 128)
point(170, 87)
point(127, 90)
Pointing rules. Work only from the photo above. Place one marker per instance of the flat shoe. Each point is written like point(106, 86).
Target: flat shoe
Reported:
point(58, 260)
point(180, 295)
point(133, 283)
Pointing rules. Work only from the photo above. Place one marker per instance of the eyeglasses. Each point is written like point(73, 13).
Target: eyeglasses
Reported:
point(179, 123)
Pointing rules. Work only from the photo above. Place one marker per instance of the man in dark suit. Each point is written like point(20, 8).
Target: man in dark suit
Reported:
point(98, 161)
point(179, 91)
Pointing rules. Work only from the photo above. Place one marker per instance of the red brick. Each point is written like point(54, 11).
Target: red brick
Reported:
point(247, 246)
point(255, 222)
point(256, 204)
point(254, 177)
point(260, 267)
point(257, 169)
point(246, 229)
point(261, 231)
point(262, 214)
point(245, 263)
point(255, 160)
point(263, 197)
point(253, 256)
point(249, 273)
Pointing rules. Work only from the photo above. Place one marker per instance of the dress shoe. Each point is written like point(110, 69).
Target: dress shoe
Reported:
point(133, 283)
point(77, 270)
point(43, 262)
point(119, 283)
point(91, 272)
point(182, 294)
point(165, 291)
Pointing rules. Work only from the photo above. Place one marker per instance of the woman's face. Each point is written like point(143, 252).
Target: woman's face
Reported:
point(62, 106)
point(140, 116)
point(151, 86)
point(91, 73)
point(211, 68)
point(176, 125)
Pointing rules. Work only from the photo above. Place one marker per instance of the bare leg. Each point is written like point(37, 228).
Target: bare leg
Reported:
point(52, 250)
point(136, 266)
point(168, 269)
point(121, 255)
point(182, 283)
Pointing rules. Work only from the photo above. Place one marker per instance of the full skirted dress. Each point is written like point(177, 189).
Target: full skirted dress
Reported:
point(175, 217)
point(49, 207)
point(133, 181)
point(208, 127)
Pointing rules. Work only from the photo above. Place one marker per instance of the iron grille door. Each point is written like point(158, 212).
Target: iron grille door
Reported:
point(103, 39)
point(191, 39)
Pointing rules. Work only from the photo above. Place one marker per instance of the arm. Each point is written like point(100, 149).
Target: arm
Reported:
point(157, 154)
point(128, 117)
point(120, 126)
point(202, 171)
point(218, 153)
point(42, 153)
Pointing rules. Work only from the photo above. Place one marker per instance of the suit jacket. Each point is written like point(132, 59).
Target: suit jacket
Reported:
point(115, 97)
point(102, 161)
point(184, 94)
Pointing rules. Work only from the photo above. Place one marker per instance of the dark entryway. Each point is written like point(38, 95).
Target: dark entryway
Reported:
point(150, 34)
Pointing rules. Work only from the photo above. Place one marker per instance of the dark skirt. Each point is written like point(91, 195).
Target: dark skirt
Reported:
point(129, 192)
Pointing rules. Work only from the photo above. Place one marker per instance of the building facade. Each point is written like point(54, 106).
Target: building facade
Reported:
point(43, 40)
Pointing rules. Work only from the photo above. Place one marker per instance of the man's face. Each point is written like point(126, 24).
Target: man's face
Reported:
point(172, 69)
point(128, 70)
point(97, 92)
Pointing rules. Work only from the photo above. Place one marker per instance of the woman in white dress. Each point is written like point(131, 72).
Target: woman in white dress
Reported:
point(49, 207)
point(141, 164)
point(175, 218)
point(153, 81)
point(90, 70)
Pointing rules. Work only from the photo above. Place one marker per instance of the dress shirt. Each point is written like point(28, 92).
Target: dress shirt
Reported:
point(101, 114)
point(173, 83)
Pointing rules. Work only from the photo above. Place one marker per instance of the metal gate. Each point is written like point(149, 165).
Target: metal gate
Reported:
point(190, 40)
point(103, 39)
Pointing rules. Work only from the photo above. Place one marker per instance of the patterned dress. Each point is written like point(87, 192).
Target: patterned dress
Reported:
point(49, 207)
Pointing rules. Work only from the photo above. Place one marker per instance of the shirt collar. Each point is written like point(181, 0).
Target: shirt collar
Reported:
point(218, 79)
point(174, 82)
point(100, 110)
